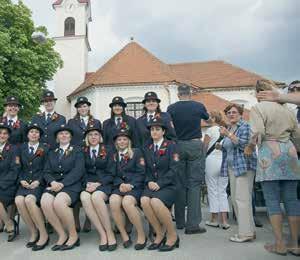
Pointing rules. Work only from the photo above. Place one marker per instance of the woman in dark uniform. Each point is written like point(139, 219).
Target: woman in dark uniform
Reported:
point(119, 120)
point(17, 126)
point(160, 191)
point(81, 121)
point(152, 110)
point(97, 187)
point(9, 171)
point(129, 180)
point(33, 157)
point(63, 174)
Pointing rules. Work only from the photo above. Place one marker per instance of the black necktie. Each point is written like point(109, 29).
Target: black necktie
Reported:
point(122, 157)
point(94, 156)
point(82, 123)
point(298, 114)
point(119, 122)
point(150, 118)
point(48, 120)
point(10, 122)
point(60, 154)
point(31, 150)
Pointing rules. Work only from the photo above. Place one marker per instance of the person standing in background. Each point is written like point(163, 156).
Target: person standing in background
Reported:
point(216, 185)
point(186, 115)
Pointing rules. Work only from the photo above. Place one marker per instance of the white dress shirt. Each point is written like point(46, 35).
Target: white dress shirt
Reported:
point(158, 144)
point(94, 148)
point(35, 147)
point(123, 152)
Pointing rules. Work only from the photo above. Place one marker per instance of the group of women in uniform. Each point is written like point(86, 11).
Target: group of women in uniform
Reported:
point(49, 165)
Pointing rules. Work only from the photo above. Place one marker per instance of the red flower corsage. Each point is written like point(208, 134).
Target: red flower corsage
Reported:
point(16, 125)
point(126, 157)
point(39, 152)
point(124, 125)
point(103, 152)
point(54, 117)
point(162, 152)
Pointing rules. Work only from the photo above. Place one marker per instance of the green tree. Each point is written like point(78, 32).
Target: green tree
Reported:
point(25, 65)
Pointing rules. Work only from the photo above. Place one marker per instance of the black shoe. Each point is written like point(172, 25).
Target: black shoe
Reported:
point(179, 227)
point(31, 244)
point(1, 229)
point(155, 246)
point(140, 246)
point(127, 243)
point(58, 247)
point(166, 248)
point(198, 230)
point(112, 247)
point(86, 229)
point(40, 247)
point(70, 247)
point(258, 223)
point(78, 229)
point(103, 247)
point(13, 233)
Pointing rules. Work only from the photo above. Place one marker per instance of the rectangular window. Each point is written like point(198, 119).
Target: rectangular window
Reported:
point(134, 109)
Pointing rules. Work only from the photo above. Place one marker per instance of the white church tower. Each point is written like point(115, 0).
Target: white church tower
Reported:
point(72, 43)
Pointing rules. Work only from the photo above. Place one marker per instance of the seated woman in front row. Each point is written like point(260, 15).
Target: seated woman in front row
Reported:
point(33, 156)
point(129, 180)
point(160, 191)
point(9, 171)
point(97, 186)
point(63, 174)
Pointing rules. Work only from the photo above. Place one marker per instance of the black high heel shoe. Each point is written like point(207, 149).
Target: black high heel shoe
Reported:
point(103, 247)
point(57, 247)
point(70, 247)
point(112, 247)
point(13, 233)
point(127, 243)
point(31, 244)
point(166, 248)
point(40, 247)
point(155, 246)
point(140, 246)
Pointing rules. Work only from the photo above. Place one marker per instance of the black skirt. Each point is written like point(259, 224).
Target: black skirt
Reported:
point(7, 196)
point(166, 195)
point(72, 194)
point(136, 193)
point(37, 193)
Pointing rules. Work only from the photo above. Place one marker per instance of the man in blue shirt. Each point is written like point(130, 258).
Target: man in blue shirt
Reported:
point(186, 116)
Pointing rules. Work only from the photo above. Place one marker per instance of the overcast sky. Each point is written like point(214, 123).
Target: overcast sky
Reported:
point(262, 36)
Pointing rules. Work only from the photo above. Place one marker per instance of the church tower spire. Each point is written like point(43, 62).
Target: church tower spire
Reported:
point(72, 43)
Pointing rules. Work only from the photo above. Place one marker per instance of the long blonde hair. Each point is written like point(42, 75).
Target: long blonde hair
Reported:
point(130, 150)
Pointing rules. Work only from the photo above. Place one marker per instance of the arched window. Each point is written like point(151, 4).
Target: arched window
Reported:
point(70, 26)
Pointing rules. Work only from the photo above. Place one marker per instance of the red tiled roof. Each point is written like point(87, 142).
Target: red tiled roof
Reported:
point(213, 102)
point(214, 74)
point(58, 2)
point(134, 65)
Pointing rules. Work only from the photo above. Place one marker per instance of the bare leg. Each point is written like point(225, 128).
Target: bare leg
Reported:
point(129, 205)
point(47, 203)
point(86, 200)
point(294, 223)
point(62, 208)
point(76, 212)
point(26, 216)
point(37, 217)
point(276, 222)
point(115, 202)
point(164, 215)
point(98, 200)
point(214, 217)
point(152, 218)
point(224, 218)
point(4, 216)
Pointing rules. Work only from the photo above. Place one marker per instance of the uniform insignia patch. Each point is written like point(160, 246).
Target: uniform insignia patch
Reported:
point(17, 160)
point(176, 157)
point(142, 161)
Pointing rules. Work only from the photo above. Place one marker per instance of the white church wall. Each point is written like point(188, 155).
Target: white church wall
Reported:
point(244, 97)
point(101, 97)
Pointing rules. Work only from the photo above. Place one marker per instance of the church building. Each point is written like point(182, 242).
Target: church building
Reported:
point(133, 71)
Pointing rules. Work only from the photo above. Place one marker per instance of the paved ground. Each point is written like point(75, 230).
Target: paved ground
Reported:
point(213, 245)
